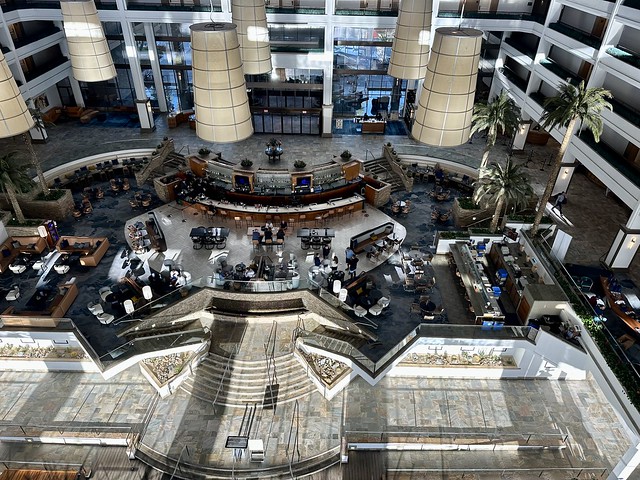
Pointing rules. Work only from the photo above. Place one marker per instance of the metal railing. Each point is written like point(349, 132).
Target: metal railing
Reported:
point(572, 472)
point(382, 436)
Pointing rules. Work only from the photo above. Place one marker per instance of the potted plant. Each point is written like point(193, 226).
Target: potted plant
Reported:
point(299, 164)
point(204, 151)
point(346, 155)
point(246, 163)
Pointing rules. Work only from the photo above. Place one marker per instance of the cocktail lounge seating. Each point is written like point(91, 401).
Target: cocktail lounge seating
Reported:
point(90, 249)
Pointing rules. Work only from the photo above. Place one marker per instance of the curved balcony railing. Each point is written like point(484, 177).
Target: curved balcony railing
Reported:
point(577, 34)
point(625, 55)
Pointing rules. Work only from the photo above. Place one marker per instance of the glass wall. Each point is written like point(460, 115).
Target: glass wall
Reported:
point(360, 81)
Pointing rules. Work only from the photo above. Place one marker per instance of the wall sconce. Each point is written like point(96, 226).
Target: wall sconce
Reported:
point(565, 173)
point(632, 243)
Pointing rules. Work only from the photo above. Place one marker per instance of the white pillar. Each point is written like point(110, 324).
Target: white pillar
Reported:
point(327, 119)
point(623, 249)
point(146, 120)
point(77, 92)
point(627, 464)
point(564, 178)
point(155, 66)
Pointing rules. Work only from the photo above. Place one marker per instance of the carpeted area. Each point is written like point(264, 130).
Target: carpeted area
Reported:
point(115, 120)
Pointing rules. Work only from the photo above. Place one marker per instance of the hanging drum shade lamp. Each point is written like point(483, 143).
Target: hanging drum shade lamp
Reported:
point(445, 107)
point(15, 117)
point(219, 91)
point(410, 50)
point(88, 48)
point(250, 17)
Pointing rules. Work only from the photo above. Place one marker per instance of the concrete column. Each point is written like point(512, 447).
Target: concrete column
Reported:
point(327, 120)
point(75, 89)
point(627, 464)
point(564, 178)
point(146, 120)
point(155, 66)
point(623, 249)
point(146, 115)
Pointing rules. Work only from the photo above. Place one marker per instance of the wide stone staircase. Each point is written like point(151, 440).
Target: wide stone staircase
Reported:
point(235, 382)
point(174, 162)
point(381, 168)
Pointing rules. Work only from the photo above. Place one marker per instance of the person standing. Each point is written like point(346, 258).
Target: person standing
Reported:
point(326, 250)
point(353, 265)
point(334, 262)
point(561, 199)
point(316, 260)
point(348, 253)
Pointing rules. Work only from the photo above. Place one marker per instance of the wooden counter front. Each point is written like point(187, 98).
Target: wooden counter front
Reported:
point(373, 127)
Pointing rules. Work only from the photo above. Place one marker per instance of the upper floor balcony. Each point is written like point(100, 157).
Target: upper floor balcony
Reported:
point(378, 8)
point(514, 78)
point(632, 3)
point(629, 113)
point(174, 6)
point(498, 15)
point(44, 67)
point(625, 55)
point(612, 157)
point(561, 72)
point(521, 46)
point(577, 34)
point(44, 32)
point(12, 5)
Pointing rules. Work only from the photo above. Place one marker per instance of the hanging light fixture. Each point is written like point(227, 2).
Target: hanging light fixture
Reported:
point(219, 91)
point(88, 48)
point(410, 50)
point(445, 107)
point(250, 17)
point(15, 117)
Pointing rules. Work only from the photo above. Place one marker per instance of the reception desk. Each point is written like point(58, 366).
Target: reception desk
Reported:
point(371, 125)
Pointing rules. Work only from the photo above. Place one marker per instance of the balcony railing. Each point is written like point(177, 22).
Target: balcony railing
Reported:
point(632, 3)
point(44, 68)
point(625, 111)
point(299, 10)
point(521, 47)
point(625, 55)
point(377, 13)
point(612, 157)
point(521, 83)
point(538, 97)
point(526, 16)
point(577, 34)
point(27, 4)
point(561, 72)
point(27, 39)
point(185, 7)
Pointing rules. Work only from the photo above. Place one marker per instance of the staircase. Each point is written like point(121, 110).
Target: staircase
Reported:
point(235, 383)
point(381, 168)
point(344, 335)
point(174, 162)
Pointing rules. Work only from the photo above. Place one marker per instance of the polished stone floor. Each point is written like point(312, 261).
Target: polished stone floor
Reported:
point(575, 408)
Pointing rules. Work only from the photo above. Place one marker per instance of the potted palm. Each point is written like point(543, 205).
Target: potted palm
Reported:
point(299, 164)
point(246, 163)
point(13, 180)
point(345, 155)
point(204, 152)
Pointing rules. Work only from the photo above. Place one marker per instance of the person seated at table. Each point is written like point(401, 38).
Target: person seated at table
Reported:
point(268, 234)
point(283, 225)
point(256, 235)
point(280, 234)
point(378, 116)
point(268, 225)
point(334, 262)
point(317, 261)
point(249, 273)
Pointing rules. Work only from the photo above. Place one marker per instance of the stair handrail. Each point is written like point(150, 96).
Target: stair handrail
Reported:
point(224, 375)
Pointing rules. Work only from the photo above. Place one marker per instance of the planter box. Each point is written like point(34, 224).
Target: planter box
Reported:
point(376, 192)
point(32, 208)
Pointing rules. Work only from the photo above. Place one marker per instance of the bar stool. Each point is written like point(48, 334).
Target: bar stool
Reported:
point(332, 213)
point(269, 244)
point(249, 221)
point(291, 223)
point(223, 215)
point(350, 211)
point(256, 245)
point(303, 220)
point(276, 221)
point(238, 221)
point(340, 212)
point(279, 244)
point(325, 219)
point(319, 221)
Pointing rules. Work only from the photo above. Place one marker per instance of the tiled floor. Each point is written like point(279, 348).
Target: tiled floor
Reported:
point(575, 408)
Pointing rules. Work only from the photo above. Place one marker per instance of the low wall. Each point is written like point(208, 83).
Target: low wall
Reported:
point(47, 365)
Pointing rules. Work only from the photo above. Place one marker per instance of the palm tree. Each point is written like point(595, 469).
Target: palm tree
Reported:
point(14, 179)
point(35, 162)
point(506, 185)
point(497, 117)
point(564, 110)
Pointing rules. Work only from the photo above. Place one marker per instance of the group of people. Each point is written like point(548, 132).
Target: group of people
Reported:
point(265, 235)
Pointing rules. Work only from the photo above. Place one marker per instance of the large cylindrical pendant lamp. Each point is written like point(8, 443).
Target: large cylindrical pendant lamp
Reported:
point(445, 107)
point(250, 17)
point(410, 50)
point(15, 117)
point(88, 48)
point(219, 91)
